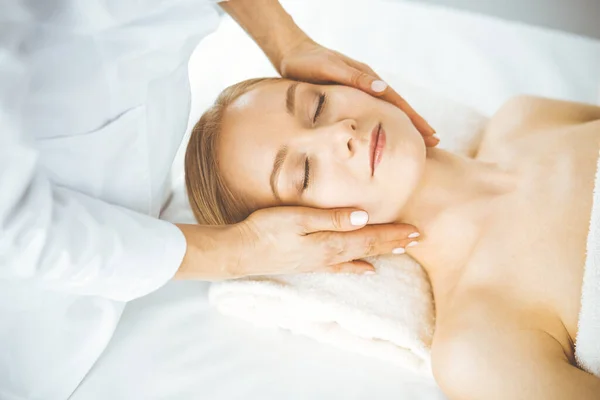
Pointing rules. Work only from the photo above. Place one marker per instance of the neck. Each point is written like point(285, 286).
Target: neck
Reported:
point(450, 207)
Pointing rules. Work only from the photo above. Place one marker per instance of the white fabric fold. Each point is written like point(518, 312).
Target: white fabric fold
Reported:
point(388, 315)
point(587, 344)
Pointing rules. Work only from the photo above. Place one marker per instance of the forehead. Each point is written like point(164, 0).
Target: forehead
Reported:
point(254, 127)
point(265, 100)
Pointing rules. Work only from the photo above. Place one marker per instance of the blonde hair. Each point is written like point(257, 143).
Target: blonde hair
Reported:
point(211, 200)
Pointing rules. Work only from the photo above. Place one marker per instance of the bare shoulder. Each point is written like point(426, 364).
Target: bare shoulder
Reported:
point(524, 115)
point(478, 349)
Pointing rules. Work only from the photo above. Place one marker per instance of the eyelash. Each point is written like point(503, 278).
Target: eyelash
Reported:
point(320, 106)
point(306, 174)
point(318, 112)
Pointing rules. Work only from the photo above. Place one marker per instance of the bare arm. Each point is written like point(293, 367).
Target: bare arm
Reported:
point(506, 363)
point(271, 27)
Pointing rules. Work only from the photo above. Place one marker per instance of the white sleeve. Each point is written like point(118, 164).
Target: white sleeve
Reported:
point(60, 239)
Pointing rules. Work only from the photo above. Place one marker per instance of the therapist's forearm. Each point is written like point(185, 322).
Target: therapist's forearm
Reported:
point(271, 27)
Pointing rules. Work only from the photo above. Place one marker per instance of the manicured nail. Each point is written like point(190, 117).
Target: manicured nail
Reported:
point(435, 136)
point(369, 272)
point(411, 244)
point(414, 235)
point(378, 86)
point(399, 250)
point(359, 218)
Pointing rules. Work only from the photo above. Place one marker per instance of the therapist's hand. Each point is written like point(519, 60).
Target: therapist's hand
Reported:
point(311, 62)
point(288, 240)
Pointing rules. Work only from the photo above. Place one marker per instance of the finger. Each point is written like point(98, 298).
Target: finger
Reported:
point(419, 122)
point(343, 219)
point(431, 141)
point(366, 82)
point(380, 89)
point(350, 267)
point(377, 89)
point(363, 67)
point(339, 247)
point(350, 73)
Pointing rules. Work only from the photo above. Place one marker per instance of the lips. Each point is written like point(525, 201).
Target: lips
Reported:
point(376, 147)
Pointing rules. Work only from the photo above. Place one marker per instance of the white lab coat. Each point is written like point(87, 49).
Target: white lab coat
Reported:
point(94, 100)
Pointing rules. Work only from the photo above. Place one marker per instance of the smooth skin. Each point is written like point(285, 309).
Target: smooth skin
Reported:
point(507, 322)
point(301, 239)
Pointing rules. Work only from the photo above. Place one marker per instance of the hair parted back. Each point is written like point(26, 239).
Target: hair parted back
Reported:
point(211, 200)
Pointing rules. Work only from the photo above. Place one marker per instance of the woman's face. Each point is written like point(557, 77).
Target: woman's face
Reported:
point(290, 143)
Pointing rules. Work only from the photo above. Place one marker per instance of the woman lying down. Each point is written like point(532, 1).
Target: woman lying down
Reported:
point(503, 234)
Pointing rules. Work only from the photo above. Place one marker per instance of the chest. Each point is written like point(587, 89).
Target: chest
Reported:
point(533, 251)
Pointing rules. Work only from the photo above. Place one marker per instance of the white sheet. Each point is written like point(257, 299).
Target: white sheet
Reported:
point(171, 345)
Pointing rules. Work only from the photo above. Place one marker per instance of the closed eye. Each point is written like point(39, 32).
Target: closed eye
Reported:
point(320, 107)
point(306, 174)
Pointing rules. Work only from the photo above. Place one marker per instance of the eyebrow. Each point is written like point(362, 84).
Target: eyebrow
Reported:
point(277, 164)
point(290, 98)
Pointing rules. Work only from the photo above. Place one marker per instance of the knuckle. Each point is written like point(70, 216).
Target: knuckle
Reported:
point(370, 245)
point(357, 77)
point(334, 248)
point(337, 219)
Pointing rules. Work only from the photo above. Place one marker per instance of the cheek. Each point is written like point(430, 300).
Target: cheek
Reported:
point(337, 188)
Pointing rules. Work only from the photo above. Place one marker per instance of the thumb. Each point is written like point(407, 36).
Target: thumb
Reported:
point(340, 220)
point(360, 267)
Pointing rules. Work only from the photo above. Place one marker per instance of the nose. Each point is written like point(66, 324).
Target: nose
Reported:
point(341, 137)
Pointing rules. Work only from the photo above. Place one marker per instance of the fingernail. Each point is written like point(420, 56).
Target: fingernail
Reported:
point(414, 235)
point(378, 86)
point(399, 250)
point(358, 218)
point(435, 136)
point(369, 272)
point(411, 244)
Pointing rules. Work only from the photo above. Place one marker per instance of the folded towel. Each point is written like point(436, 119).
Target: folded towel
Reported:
point(587, 344)
point(389, 315)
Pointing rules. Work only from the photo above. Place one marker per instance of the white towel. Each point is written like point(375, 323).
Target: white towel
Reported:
point(389, 315)
point(587, 344)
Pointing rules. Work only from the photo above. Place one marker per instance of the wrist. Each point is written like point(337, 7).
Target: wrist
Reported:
point(282, 41)
point(269, 25)
point(212, 253)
